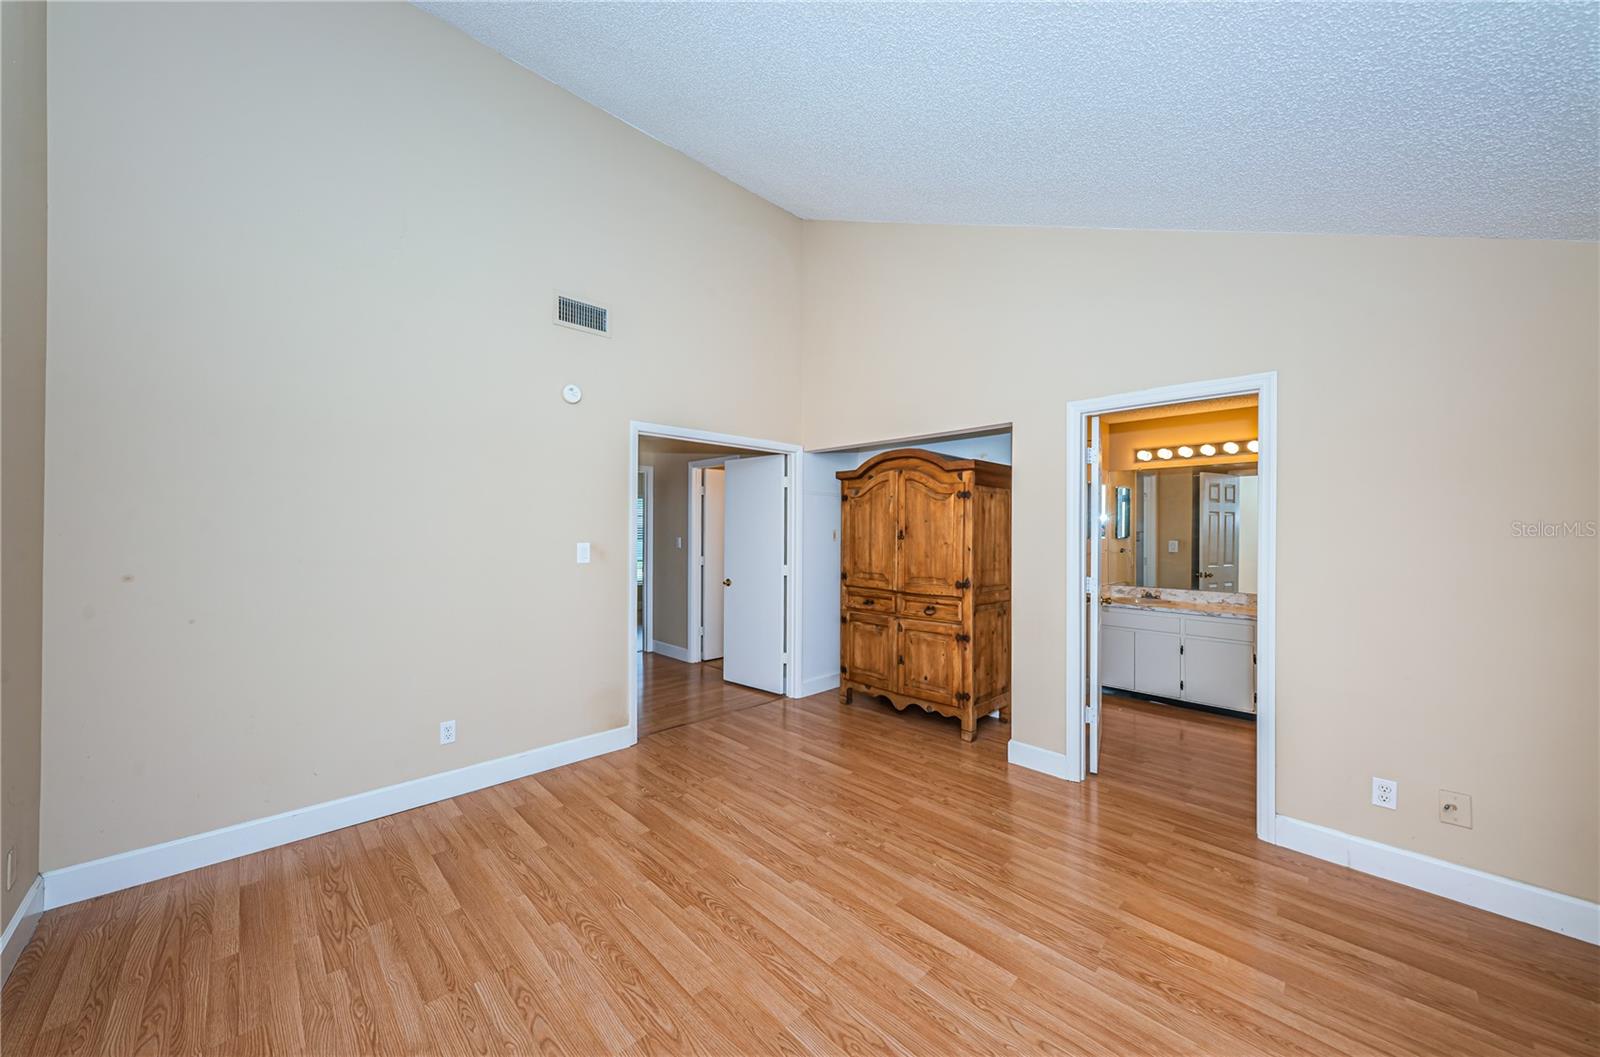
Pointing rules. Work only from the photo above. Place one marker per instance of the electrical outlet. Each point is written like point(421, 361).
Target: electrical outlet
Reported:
point(447, 732)
point(11, 867)
point(1455, 809)
point(1386, 793)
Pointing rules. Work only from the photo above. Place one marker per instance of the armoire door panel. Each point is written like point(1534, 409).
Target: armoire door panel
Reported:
point(869, 649)
point(932, 533)
point(929, 658)
point(867, 556)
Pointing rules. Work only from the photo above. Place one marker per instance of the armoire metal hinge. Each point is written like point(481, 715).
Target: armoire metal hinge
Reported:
point(843, 575)
point(843, 670)
point(963, 584)
point(843, 619)
point(962, 636)
point(963, 494)
point(963, 696)
point(843, 498)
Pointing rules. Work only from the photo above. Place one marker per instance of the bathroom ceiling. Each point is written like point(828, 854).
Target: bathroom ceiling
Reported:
point(1467, 119)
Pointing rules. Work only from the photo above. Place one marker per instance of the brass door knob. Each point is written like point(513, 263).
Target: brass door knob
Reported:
point(727, 583)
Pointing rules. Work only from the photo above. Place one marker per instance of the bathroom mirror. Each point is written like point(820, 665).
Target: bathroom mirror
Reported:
point(1191, 529)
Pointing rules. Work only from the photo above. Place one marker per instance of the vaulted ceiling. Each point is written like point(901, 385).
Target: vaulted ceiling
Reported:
point(1471, 119)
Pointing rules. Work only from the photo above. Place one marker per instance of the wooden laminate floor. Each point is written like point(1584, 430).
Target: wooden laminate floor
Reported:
point(803, 877)
point(672, 693)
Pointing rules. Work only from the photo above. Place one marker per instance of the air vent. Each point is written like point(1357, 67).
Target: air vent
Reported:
point(580, 315)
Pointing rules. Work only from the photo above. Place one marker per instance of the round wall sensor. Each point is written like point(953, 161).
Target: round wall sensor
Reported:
point(571, 394)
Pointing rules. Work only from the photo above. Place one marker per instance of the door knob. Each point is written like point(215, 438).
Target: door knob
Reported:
point(727, 583)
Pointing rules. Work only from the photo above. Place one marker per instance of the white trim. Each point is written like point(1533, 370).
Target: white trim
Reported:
point(1517, 900)
point(1265, 386)
point(142, 865)
point(819, 684)
point(1034, 758)
point(649, 634)
point(796, 472)
point(19, 930)
point(667, 649)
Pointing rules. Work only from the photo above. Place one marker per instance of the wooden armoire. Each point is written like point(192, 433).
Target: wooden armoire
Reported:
point(925, 593)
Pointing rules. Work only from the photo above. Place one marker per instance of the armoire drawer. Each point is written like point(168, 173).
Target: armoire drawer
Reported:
point(871, 601)
point(926, 608)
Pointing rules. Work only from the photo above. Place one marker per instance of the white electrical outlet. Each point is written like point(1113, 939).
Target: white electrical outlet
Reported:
point(447, 732)
point(583, 554)
point(1386, 793)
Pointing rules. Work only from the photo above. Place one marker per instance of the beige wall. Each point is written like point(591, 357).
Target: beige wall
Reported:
point(1484, 684)
point(22, 373)
point(312, 487)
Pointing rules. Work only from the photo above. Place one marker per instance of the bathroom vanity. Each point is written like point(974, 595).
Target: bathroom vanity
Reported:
point(1199, 652)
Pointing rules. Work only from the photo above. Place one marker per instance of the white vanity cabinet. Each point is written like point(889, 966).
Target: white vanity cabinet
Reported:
point(1203, 659)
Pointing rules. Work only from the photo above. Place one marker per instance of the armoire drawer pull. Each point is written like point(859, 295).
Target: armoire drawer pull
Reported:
point(930, 610)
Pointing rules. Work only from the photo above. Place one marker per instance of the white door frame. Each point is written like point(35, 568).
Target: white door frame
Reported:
point(1079, 412)
point(791, 678)
point(697, 470)
point(649, 637)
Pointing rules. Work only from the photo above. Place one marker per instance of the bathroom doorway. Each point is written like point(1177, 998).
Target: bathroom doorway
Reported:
point(1173, 492)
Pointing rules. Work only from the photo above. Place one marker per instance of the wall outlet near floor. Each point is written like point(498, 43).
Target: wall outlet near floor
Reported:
point(1455, 809)
point(447, 732)
point(1386, 793)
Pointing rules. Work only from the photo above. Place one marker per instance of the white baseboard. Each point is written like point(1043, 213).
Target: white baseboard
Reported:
point(19, 930)
point(1555, 911)
point(1036, 759)
point(667, 649)
point(142, 865)
point(819, 684)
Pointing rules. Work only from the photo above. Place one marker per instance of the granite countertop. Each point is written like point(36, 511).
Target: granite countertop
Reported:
point(1168, 605)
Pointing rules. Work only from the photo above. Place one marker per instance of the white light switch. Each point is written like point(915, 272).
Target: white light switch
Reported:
point(583, 554)
point(1172, 546)
point(680, 543)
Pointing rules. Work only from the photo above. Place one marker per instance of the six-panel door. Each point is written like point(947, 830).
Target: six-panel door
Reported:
point(929, 659)
point(932, 531)
point(868, 559)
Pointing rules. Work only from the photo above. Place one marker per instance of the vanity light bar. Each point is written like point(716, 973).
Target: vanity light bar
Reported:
point(1229, 447)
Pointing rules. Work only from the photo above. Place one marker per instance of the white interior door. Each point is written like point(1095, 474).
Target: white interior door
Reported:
point(756, 514)
point(1096, 507)
point(1219, 532)
point(711, 562)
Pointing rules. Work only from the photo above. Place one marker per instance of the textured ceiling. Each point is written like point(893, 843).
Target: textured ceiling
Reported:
point(1411, 118)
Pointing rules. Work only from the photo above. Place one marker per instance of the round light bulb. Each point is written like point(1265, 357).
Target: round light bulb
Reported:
point(1254, 445)
point(1208, 449)
point(1186, 451)
point(1143, 455)
point(1164, 453)
point(1231, 447)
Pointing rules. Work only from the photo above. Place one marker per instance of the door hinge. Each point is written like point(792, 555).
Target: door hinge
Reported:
point(962, 636)
point(1091, 456)
point(963, 494)
point(963, 584)
point(1180, 649)
point(1180, 684)
point(1254, 697)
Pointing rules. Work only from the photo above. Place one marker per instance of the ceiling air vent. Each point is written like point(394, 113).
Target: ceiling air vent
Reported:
point(580, 315)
